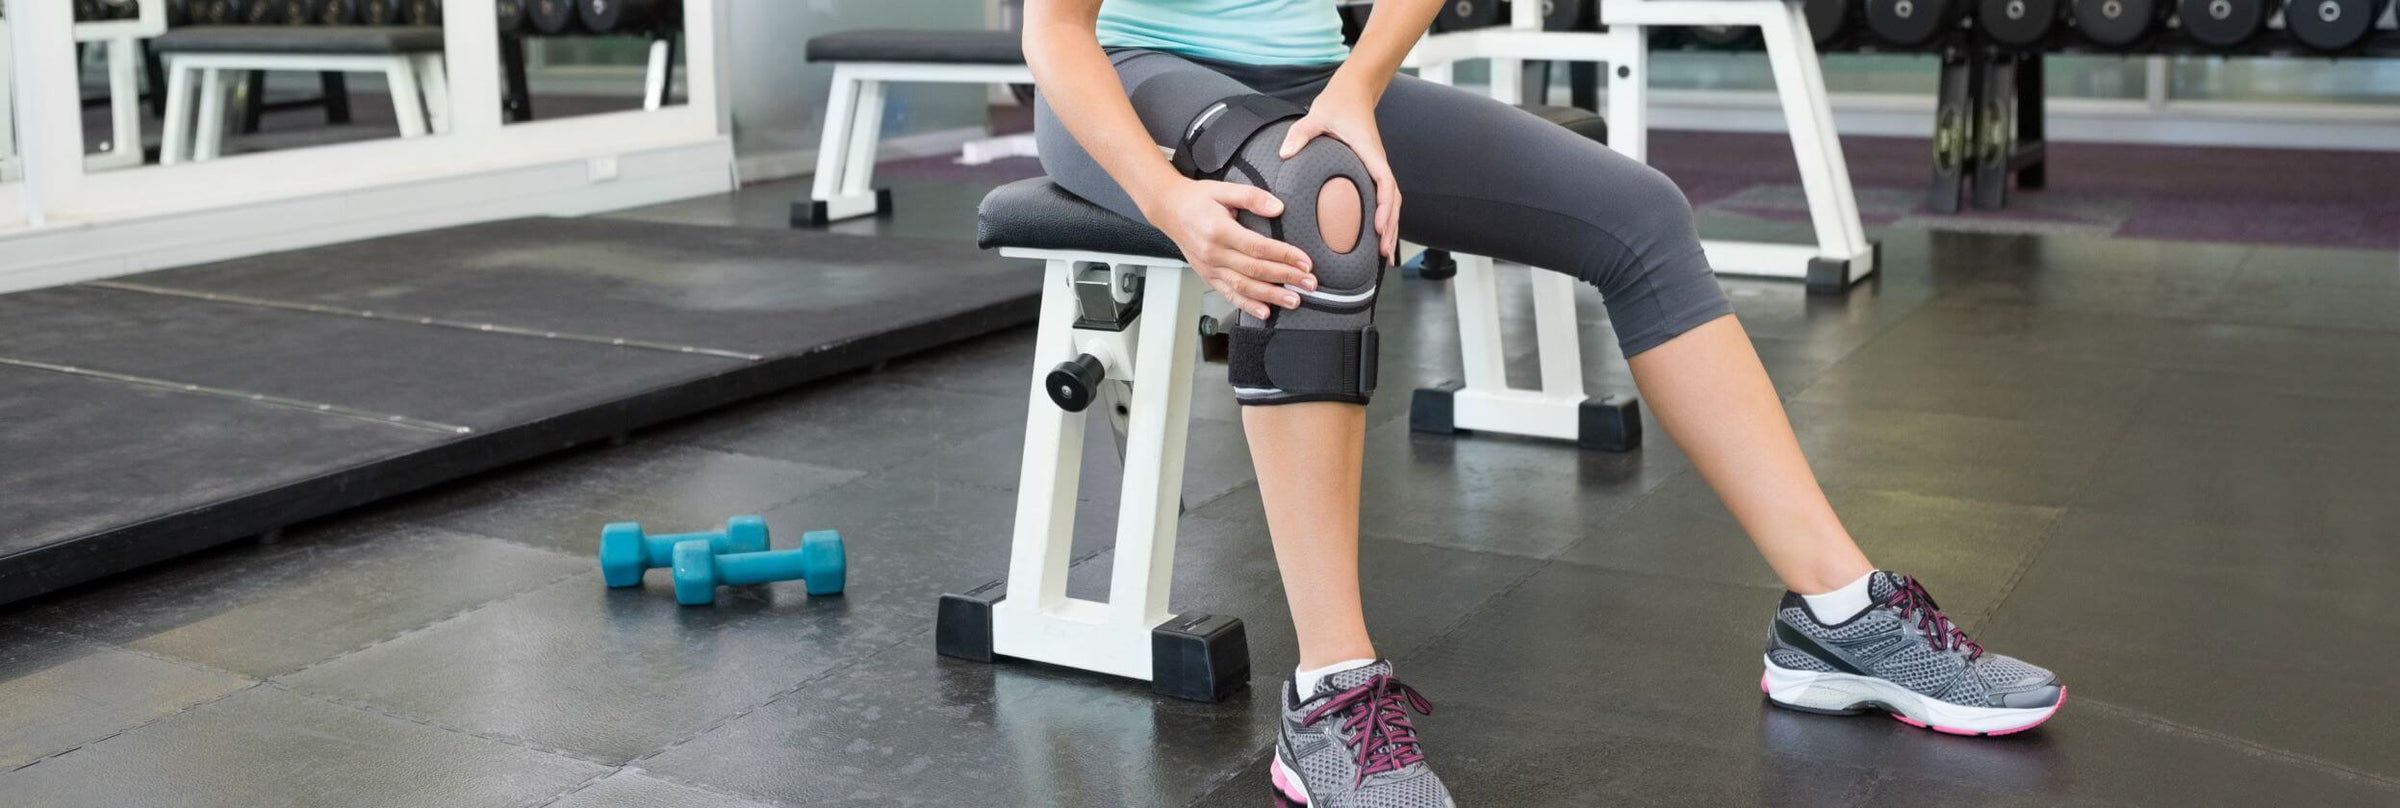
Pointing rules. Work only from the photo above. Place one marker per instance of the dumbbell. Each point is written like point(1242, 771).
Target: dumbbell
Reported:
point(380, 12)
point(627, 16)
point(218, 12)
point(2021, 24)
point(334, 12)
point(626, 553)
point(1909, 23)
point(2223, 23)
point(1721, 37)
point(512, 16)
point(421, 12)
point(275, 12)
point(2330, 25)
point(2118, 24)
point(819, 560)
point(1829, 20)
point(552, 16)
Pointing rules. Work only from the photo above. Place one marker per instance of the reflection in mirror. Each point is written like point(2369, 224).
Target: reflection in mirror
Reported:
point(8, 108)
point(561, 58)
point(228, 77)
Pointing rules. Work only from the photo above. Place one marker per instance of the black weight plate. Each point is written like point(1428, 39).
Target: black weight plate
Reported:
point(1719, 37)
point(618, 16)
point(2017, 23)
point(2115, 23)
point(1464, 15)
point(1562, 15)
point(512, 15)
point(1828, 20)
point(333, 12)
point(1908, 23)
point(379, 12)
point(2329, 25)
point(551, 16)
point(2222, 23)
point(422, 12)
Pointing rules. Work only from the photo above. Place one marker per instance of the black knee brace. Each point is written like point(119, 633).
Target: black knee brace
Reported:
point(1325, 349)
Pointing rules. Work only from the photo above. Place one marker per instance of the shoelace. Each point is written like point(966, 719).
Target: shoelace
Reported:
point(1376, 718)
point(1912, 599)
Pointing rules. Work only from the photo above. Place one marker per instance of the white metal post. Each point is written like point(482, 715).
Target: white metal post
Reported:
point(8, 110)
point(1150, 502)
point(124, 60)
point(408, 100)
point(654, 85)
point(211, 127)
point(433, 77)
point(1824, 178)
point(866, 130)
point(1052, 468)
point(175, 145)
point(834, 141)
point(1554, 330)
point(1481, 354)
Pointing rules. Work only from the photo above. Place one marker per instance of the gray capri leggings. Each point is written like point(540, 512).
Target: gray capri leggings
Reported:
point(1476, 176)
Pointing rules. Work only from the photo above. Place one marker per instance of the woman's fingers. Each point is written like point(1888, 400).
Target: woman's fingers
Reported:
point(1302, 131)
point(1249, 243)
point(1260, 292)
point(1245, 197)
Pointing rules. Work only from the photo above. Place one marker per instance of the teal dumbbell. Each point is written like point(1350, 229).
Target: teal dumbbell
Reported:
point(625, 553)
point(818, 560)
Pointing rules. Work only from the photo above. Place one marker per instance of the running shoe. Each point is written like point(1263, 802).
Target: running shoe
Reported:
point(1350, 745)
point(1904, 657)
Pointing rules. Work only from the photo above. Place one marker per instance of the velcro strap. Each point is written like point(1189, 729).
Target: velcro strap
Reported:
point(1311, 363)
point(1211, 140)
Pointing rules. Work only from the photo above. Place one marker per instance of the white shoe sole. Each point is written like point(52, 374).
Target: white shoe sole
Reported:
point(1850, 693)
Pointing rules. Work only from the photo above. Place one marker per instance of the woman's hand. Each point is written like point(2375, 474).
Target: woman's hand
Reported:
point(1247, 268)
point(1349, 117)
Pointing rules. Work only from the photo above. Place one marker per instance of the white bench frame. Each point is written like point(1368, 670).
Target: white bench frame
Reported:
point(1149, 368)
point(844, 185)
point(419, 85)
point(1841, 256)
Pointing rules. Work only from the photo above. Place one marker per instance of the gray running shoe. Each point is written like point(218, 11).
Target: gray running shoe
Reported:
point(1349, 745)
point(1902, 656)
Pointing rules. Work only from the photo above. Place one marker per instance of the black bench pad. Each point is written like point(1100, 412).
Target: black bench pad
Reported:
point(1576, 119)
point(947, 47)
point(357, 40)
point(1037, 213)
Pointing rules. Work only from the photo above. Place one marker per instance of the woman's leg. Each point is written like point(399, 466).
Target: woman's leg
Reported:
point(1307, 456)
point(1522, 189)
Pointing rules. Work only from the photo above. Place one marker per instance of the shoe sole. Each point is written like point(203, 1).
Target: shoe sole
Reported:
point(1851, 694)
point(1286, 781)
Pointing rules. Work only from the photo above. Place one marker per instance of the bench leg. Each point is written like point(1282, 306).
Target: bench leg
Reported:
point(1199, 657)
point(125, 108)
point(1559, 409)
point(209, 135)
point(408, 100)
point(175, 142)
point(846, 155)
point(434, 78)
point(654, 89)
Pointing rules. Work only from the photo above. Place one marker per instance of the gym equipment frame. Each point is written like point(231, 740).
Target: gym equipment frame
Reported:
point(419, 83)
point(1560, 408)
point(1138, 318)
point(843, 187)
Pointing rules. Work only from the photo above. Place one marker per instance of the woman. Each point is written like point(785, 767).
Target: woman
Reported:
point(1120, 79)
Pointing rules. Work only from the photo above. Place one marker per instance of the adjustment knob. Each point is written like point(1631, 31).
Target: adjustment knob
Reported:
point(1075, 382)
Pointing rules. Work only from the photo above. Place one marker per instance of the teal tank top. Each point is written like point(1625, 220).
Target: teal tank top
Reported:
point(1256, 32)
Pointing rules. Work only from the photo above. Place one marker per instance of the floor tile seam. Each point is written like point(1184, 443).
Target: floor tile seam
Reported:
point(435, 623)
point(681, 443)
point(545, 802)
point(113, 735)
point(2206, 316)
point(2117, 436)
point(501, 738)
point(713, 788)
point(778, 696)
point(2386, 782)
point(1836, 362)
point(140, 652)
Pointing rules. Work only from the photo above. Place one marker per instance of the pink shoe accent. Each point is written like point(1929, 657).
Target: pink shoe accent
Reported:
point(1284, 784)
point(2062, 702)
point(1762, 685)
point(1909, 721)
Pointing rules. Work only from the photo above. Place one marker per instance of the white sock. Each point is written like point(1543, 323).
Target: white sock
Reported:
point(1840, 604)
point(1306, 681)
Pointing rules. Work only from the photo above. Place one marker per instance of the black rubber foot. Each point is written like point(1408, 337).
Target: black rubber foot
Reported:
point(1612, 424)
point(1829, 277)
point(1430, 410)
point(1432, 265)
point(1199, 657)
point(811, 212)
point(963, 627)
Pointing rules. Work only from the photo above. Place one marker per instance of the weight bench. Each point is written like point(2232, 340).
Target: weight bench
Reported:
point(409, 57)
point(863, 62)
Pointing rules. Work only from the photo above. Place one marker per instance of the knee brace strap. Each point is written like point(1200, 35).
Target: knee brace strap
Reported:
point(1325, 349)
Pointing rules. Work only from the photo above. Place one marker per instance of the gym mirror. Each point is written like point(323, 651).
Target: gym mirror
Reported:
point(564, 58)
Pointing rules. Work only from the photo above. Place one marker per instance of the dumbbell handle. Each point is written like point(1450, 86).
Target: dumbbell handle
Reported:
point(740, 569)
point(659, 551)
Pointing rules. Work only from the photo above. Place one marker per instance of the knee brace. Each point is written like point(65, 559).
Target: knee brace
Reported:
point(1325, 349)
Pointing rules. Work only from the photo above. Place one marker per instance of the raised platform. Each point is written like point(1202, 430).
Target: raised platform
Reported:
point(155, 415)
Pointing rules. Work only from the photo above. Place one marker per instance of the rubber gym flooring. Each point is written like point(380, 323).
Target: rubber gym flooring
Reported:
point(2163, 469)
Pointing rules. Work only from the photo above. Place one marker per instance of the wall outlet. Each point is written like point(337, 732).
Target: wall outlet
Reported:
point(603, 169)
